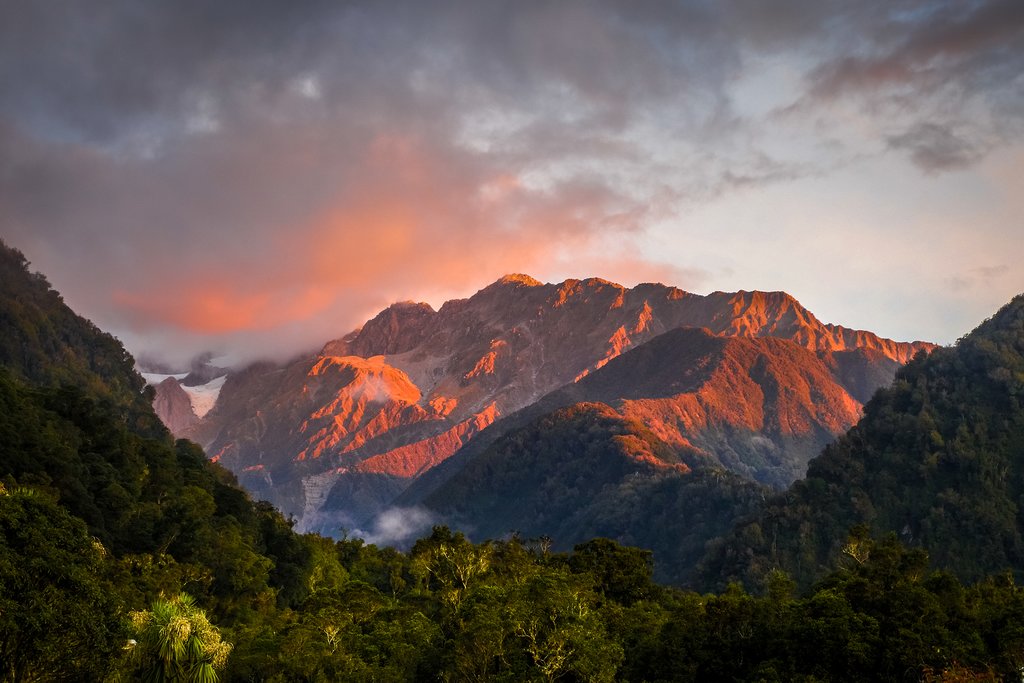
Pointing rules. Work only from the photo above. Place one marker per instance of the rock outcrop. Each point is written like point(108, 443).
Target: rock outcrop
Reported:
point(173, 406)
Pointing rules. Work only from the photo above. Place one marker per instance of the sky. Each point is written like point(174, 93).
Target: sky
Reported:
point(255, 177)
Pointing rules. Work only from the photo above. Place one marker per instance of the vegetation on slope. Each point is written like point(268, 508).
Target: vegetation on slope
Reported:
point(44, 342)
point(938, 459)
point(585, 471)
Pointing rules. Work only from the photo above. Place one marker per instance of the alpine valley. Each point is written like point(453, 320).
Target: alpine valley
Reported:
point(451, 413)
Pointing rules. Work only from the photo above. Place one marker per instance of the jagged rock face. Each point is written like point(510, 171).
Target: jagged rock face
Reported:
point(390, 401)
point(759, 407)
point(174, 407)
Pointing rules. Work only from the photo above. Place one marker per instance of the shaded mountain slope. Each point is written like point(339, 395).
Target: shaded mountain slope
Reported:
point(173, 406)
point(586, 471)
point(759, 407)
point(938, 459)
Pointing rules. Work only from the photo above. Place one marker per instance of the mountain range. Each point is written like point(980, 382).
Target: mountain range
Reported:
point(390, 414)
point(104, 515)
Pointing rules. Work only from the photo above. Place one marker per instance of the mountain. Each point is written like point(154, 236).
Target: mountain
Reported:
point(758, 407)
point(761, 407)
point(183, 395)
point(174, 406)
point(587, 471)
point(937, 459)
point(715, 399)
point(334, 437)
point(105, 520)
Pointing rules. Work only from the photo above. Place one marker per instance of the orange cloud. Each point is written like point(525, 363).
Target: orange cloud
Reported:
point(210, 307)
point(406, 216)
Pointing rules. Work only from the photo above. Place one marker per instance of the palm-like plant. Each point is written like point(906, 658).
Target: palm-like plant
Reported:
point(174, 641)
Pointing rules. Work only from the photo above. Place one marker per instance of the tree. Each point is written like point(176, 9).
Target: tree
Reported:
point(174, 641)
point(56, 612)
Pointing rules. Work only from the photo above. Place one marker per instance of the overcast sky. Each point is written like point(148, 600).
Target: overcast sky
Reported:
point(258, 177)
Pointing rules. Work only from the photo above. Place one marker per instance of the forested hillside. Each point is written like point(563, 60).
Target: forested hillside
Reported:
point(937, 459)
point(586, 471)
point(85, 464)
point(44, 342)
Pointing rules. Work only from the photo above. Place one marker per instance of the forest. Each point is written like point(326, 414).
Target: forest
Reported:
point(126, 555)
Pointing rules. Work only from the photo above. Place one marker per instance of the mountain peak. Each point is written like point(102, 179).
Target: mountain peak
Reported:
point(397, 328)
point(518, 279)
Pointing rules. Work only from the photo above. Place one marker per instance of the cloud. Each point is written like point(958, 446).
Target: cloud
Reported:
point(980, 276)
point(935, 148)
point(263, 176)
point(945, 45)
point(233, 205)
point(397, 526)
point(937, 70)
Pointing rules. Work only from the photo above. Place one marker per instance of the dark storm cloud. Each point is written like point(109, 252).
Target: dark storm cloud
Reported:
point(280, 169)
point(89, 70)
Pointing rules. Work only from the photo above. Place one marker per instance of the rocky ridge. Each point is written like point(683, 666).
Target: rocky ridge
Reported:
point(383, 405)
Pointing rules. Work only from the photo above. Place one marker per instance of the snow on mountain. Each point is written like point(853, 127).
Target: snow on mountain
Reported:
point(203, 396)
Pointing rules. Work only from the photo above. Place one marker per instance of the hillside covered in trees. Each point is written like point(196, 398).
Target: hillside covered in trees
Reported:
point(937, 459)
point(126, 555)
point(585, 471)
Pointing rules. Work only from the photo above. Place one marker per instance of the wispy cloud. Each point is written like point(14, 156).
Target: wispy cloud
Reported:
point(935, 148)
point(397, 526)
point(981, 276)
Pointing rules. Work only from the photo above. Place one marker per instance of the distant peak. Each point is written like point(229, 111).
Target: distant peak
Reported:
point(600, 282)
point(410, 305)
point(758, 294)
point(519, 279)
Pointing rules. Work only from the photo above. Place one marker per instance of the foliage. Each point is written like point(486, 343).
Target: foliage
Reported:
point(45, 343)
point(936, 459)
point(58, 618)
point(174, 641)
point(585, 471)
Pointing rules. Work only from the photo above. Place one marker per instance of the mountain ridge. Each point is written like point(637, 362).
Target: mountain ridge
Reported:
point(470, 363)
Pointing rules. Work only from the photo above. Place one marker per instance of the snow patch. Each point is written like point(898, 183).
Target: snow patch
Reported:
point(204, 396)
